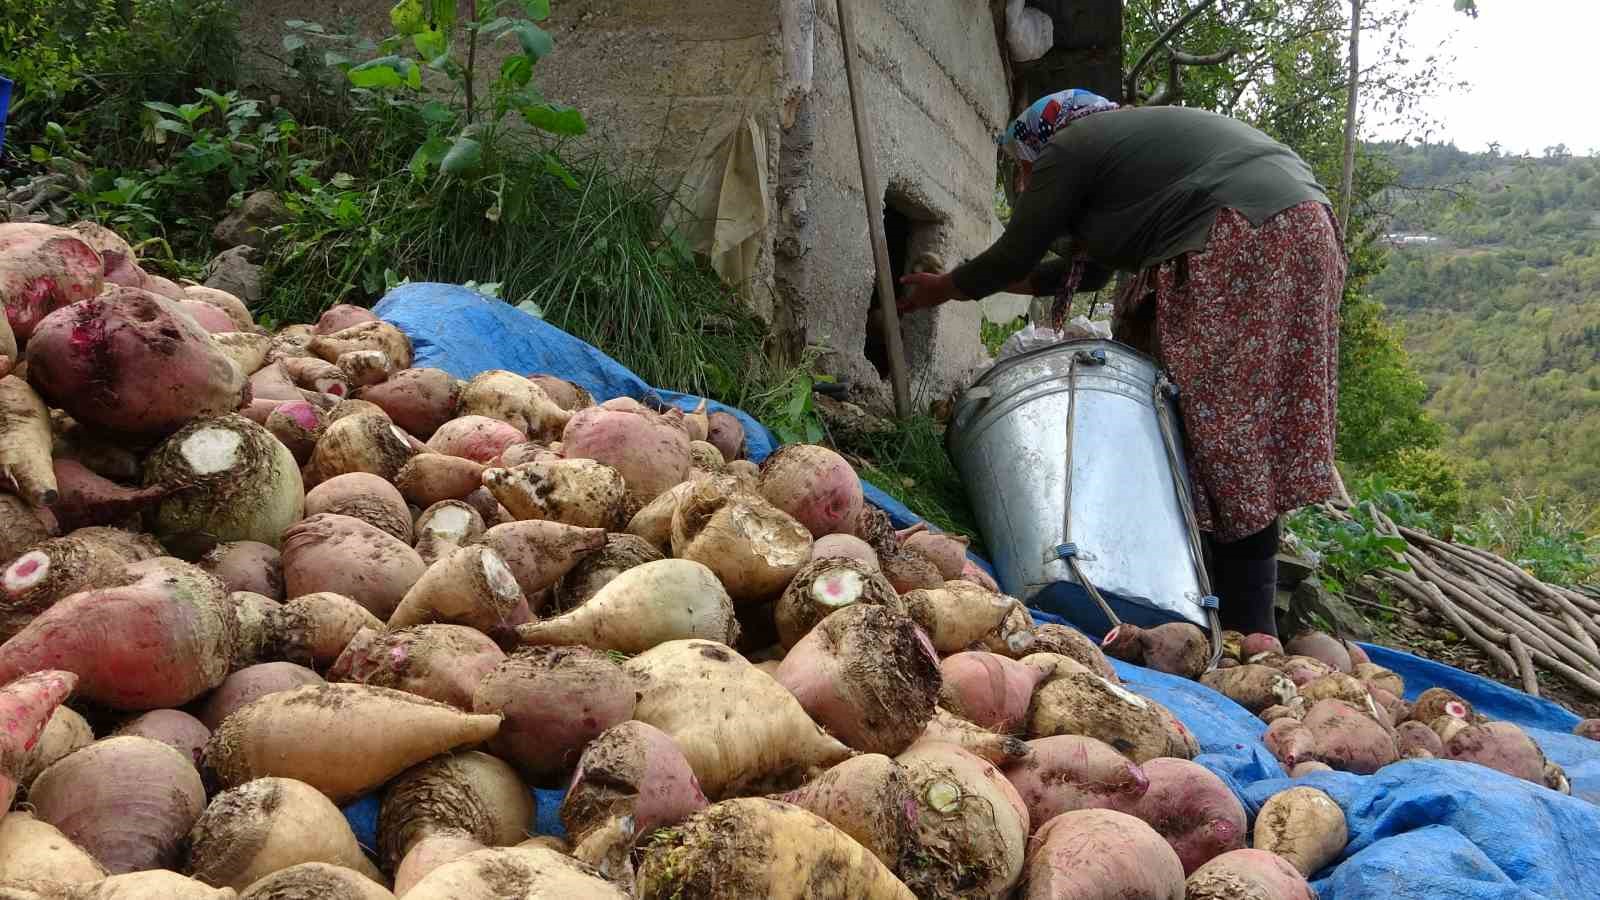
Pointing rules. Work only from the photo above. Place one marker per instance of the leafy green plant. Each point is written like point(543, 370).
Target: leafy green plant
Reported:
point(426, 40)
point(1347, 549)
point(1541, 537)
point(908, 461)
point(88, 64)
point(1404, 507)
point(994, 334)
point(199, 154)
point(787, 407)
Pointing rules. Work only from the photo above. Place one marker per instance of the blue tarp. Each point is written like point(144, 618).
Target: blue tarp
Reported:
point(1418, 830)
point(5, 108)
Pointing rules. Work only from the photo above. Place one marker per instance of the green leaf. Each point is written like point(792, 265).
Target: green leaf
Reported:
point(494, 26)
point(539, 10)
point(408, 17)
point(218, 100)
point(535, 41)
point(436, 112)
point(517, 70)
point(428, 154)
point(464, 154)
point(304, 25)
point(174, 126)
point(386, 72)
point(799, 400)
point(413, 16)
point(335, 59)
point(555, 118)
point(377, 73)
point(167, 108)
point(431, 43)
point(293, 42)
point(555, 167)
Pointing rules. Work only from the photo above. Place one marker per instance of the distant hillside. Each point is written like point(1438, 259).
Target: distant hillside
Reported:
point(1495, 278)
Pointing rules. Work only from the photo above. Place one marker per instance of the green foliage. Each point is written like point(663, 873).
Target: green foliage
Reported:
point(1502, 314)
point(196, 156)
point(787, 405)
point(1542, 537)
point(1426, 487)
point(1347, 549)
point(89, 64)
point(908, 461)
point(594, 259)
point(1380, 394)
point(455, 140)
point(994, 334)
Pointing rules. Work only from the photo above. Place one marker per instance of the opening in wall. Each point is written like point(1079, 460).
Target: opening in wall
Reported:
point(897, 234)
point(909, 230)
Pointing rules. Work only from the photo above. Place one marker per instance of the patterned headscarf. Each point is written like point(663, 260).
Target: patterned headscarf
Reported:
point(1027, 135)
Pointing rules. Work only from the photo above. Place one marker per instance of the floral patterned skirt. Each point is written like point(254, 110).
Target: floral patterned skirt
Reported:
point(1248, 328)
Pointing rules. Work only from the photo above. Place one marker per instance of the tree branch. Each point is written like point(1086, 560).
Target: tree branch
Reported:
point(1172, 92)
point(1130, 85)
point(1209, 59)
point(1347, 182)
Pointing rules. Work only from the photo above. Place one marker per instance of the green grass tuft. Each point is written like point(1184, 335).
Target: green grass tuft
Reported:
point(910, 464)
point(590, 254)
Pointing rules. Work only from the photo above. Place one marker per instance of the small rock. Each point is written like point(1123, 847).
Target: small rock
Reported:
point(1313, 605)
point(248, 225)
point(232, 271)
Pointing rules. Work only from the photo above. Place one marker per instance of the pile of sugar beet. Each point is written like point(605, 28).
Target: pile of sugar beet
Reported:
point(250, 578)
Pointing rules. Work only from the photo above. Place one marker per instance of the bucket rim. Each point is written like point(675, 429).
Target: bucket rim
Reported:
point(1005, 365)
point(1000, 368)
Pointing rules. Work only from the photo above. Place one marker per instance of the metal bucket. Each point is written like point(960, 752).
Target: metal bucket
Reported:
point(1068, 456)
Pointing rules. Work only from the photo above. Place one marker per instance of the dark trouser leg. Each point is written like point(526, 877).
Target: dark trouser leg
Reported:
point(1247, 582)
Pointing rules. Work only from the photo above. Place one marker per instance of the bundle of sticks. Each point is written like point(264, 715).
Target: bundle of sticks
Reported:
point(1520, 623)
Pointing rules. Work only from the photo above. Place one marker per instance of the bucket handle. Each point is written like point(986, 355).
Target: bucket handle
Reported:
point(1164, 391)
point(971, 399)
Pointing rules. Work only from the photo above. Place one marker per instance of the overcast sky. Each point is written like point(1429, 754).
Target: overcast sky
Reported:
point(1531, 64)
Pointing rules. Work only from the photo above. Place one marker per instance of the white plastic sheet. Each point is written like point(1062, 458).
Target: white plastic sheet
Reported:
point(1033, 337)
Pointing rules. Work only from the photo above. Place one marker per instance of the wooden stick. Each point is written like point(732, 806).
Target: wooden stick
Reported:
point(1495, 593)
point(1530, 678)
point(1581, 600)
point(1510, 620)
point(1578, 679)
point(1581, 644)
point(880, 244)
point(1550, 646)
point(1418, 591)
point(1508, 606)
point(1576, 624)
point(1559, 657)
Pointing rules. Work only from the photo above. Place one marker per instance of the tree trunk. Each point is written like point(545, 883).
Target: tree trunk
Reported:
point(1347, 182)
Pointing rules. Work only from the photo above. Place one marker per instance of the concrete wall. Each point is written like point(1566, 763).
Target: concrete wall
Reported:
point(934, 87)
point(663, 83)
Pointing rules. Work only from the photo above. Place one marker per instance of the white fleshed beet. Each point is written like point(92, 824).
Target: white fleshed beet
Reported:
point(246, 485)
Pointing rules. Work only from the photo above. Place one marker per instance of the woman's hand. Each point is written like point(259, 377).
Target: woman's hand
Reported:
point(927, 290)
